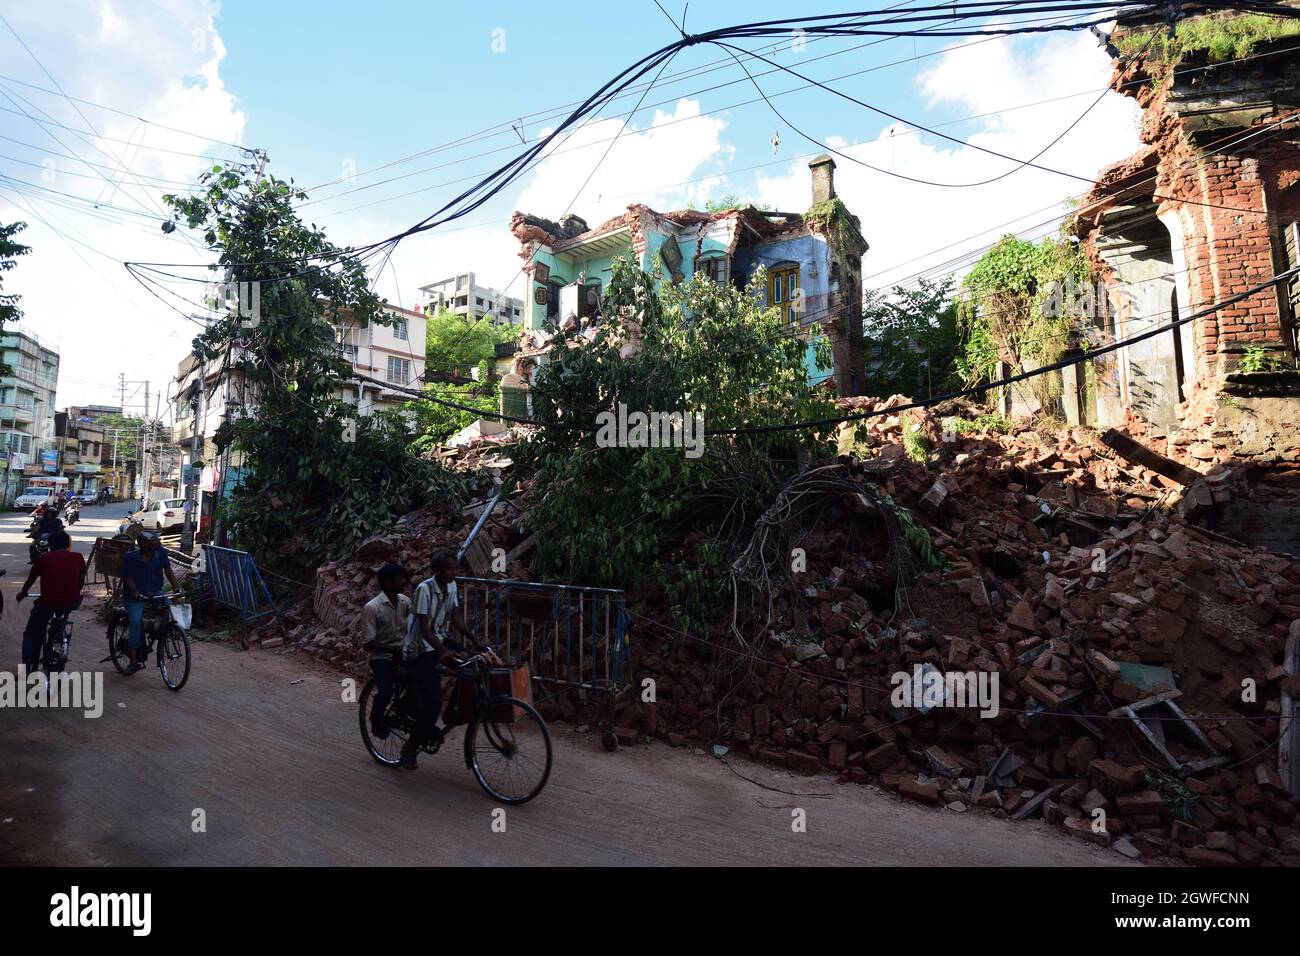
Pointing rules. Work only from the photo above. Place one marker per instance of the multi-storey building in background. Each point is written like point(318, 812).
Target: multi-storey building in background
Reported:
point(28, 445)
point(81, 443)
point(393, 354)
point(461, 295)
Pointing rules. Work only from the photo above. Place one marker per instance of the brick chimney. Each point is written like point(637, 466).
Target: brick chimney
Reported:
point(823, 178)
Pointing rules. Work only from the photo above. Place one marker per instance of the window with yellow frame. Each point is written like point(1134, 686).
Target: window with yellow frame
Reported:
point(784, 292)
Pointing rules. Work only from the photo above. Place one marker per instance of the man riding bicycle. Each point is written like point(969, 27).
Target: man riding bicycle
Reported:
point(384, 621)
point(142, 576)
point(62, 572)
point(429, 644)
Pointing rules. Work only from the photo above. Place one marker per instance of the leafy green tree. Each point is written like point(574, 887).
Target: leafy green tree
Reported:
point(125, 433)
point(457, 348)
point(437, 421)
point(910, 340)
point(731, 201)
point(609, 513)
point(10, 250)
point(456, 344)
point(313, 480)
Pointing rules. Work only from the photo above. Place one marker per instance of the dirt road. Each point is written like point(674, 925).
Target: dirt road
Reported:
point(263, 745)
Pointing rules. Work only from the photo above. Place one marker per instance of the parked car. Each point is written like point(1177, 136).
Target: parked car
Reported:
point(87, 497)
point(165, 514)
point(32, 497)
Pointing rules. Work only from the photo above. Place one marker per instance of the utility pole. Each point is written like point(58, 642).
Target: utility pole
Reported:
point(116, 482)
point(194, 460)
point(218, 526)
point(145, 483)
point(141, 471)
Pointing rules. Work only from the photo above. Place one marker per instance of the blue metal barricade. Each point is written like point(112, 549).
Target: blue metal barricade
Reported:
point(232, 578)
point(569, 636)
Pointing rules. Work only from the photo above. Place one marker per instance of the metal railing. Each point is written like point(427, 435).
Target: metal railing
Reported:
point(569, 636)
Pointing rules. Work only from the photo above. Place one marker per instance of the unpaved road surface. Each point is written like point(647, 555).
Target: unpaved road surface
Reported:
point(262, 743)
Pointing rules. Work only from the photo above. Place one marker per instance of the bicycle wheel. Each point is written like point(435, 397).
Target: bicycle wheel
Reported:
point(511, 761)
point(388, 751)
point(118, 651)
point(174, 656)
point(52, 662)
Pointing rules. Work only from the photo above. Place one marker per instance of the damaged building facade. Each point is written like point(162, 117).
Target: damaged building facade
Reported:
point(1206, 210)
point(812, 263)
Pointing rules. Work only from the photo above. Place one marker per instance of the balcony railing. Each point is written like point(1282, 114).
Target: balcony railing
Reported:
point(34, 377)
point(11, 411)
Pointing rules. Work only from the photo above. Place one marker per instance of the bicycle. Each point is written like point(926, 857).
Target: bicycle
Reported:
point(504, 736)
point(58, 638)
point(160, 626)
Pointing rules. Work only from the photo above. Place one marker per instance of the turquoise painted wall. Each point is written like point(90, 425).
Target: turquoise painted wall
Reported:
point(811, 252)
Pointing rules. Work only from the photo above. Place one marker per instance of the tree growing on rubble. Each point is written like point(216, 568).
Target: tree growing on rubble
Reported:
point(313, 479)
point(1011, 309)
point(607, 514)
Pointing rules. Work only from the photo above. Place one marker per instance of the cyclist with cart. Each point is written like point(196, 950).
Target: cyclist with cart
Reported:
point(142, 573)
point(62, 574)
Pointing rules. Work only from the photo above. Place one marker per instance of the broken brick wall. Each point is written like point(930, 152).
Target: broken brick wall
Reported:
point(1221, 172)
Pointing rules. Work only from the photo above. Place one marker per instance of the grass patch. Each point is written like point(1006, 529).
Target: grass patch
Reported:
point(1220, 37)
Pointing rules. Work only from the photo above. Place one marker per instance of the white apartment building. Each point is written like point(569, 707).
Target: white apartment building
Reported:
point(461, 295)
point(391, 353)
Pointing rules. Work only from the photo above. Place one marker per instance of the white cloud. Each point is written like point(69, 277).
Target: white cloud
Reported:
point(907, 223)
point(161, 62)
point(645, 164)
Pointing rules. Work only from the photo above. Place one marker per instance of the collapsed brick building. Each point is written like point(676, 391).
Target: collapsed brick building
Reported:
point(1207, 209)
point(812, 263)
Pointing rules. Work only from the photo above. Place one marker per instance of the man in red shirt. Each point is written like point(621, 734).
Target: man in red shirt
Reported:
point(63, 573)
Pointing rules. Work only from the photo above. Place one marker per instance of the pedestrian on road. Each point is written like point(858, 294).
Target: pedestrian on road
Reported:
point(142, 573)
point(384, 621)
point(62, 572)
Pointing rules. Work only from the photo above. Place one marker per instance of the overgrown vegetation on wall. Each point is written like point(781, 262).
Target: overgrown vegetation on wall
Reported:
point(1015, 305)
point(843, 230)
point(1219, 36)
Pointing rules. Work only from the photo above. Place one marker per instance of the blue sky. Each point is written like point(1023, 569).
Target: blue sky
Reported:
point(332, 90)
point(387, 80)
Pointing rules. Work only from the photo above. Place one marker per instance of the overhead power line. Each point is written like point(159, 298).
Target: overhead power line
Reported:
point(895, 409)
point(840, 25)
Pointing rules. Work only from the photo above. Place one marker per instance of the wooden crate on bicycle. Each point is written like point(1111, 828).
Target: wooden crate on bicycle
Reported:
point(109, 553)
point(512, 680)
